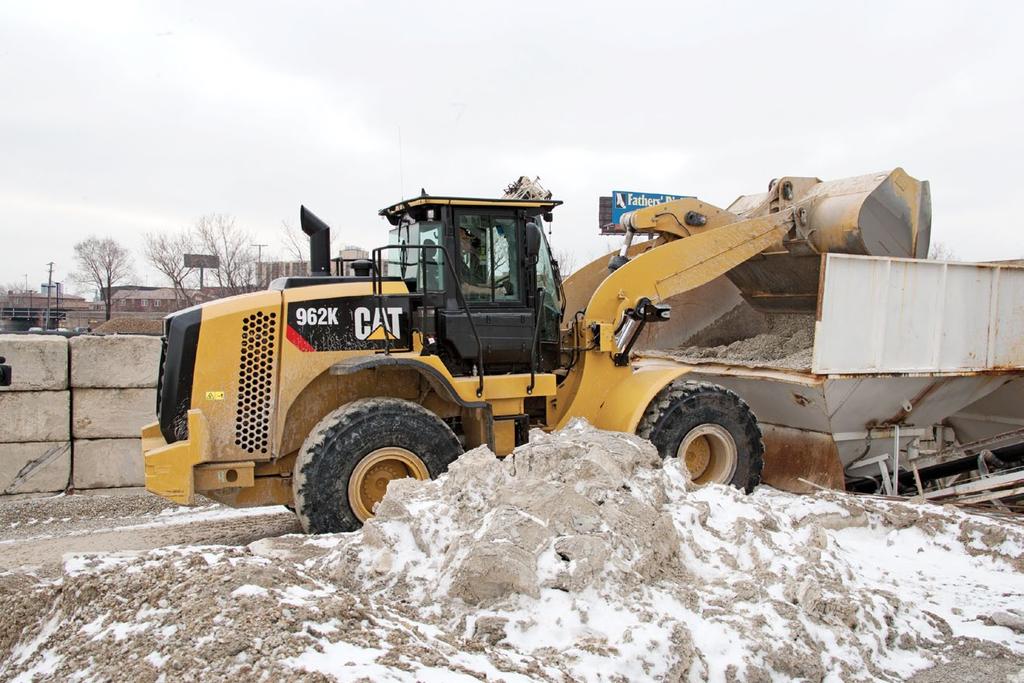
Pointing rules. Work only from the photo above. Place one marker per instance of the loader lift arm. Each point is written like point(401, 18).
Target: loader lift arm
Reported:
point(679, 265)
point(676, 264)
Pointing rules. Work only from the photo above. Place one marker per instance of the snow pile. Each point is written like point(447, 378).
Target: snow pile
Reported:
point(579, 556)
point(563, 513)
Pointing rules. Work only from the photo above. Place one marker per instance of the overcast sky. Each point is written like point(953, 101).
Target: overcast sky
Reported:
point(122, 119)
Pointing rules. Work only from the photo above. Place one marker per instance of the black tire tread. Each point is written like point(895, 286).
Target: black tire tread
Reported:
point(321, 472)
point(687, 393)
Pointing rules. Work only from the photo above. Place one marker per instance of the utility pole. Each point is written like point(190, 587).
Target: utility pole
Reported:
point(49, 285)
point(259, 263)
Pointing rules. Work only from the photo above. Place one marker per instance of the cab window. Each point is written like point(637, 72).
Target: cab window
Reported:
point(426, 266)
point(552, 299)
point(488, 261)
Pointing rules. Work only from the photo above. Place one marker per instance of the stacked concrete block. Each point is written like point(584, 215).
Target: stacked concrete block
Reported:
point(108, 463)
point(35, 450)
point(33, 416)
point(39, 362)
point(111, 413)
point(116, 361)
point(113, 387)
point(35, 467)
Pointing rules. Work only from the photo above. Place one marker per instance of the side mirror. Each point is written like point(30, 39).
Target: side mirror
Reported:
point(5, 373)
point(533, 239)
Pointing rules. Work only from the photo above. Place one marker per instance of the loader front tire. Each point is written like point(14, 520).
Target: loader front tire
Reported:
point(711, 429)
point(347, 461)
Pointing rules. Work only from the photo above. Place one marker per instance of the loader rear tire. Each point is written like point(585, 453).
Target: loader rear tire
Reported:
point(364, 445)
point(710, 428)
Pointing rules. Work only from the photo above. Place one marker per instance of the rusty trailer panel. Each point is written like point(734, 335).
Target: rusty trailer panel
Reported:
point(800, 461)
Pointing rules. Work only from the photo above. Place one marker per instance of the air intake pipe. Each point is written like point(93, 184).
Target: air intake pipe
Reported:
point(319, 242)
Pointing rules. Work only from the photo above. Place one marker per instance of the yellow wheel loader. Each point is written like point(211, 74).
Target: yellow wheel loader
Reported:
point(318, 392)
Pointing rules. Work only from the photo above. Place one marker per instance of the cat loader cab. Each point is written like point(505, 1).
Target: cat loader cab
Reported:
point(484, 290)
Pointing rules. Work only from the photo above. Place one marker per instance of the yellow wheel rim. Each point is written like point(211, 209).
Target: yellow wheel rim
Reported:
point(370, 479)
point(709, 453)
point(697, 456)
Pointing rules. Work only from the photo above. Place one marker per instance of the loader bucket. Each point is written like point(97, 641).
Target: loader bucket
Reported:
point(880, 214)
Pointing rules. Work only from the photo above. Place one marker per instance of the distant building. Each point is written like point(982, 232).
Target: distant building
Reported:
point(158, 301)
point(20, 310)
point(153, 303)
point(271, 270)
point(348, 254)
point(135, 301)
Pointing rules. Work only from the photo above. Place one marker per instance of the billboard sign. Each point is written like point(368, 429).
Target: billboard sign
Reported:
point(604, 217)
point(202, 261)
point(624, 201)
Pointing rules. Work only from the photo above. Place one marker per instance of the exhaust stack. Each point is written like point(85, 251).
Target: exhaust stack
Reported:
point(319, 242)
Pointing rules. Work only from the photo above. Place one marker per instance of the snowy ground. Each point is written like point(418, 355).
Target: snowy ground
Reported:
point(39, 532)
point(580, 558)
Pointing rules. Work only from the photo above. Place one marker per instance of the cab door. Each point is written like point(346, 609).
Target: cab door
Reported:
point(489, 260)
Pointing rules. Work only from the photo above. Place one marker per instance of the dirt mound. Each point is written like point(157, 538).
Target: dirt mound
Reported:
point(130, 326)
point(744, 336)
point(580, 556)
point(559, 514)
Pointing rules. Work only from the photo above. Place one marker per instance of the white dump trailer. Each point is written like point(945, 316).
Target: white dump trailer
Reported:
point(915, 365)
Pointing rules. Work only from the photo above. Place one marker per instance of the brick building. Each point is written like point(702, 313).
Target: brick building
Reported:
point(156, 300)
point(21, 310)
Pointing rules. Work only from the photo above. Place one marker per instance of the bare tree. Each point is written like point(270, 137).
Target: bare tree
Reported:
point(940, 251)
point(213, 234)
point(12, 286)
point(566, 261)
point(166, 253)
point(102, 263)
point(294, 242)
point(219, 235)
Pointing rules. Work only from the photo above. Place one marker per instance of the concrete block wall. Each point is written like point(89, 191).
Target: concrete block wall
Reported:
point(113, 393)
point(73, 412)
point(35, 415)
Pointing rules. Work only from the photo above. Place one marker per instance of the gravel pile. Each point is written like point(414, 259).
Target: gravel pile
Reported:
point(130, 326)
point(745, 337)
point(29, 511)
point(579, 557)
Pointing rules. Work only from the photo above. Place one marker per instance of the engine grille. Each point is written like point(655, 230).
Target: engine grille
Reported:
point(255, 382)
